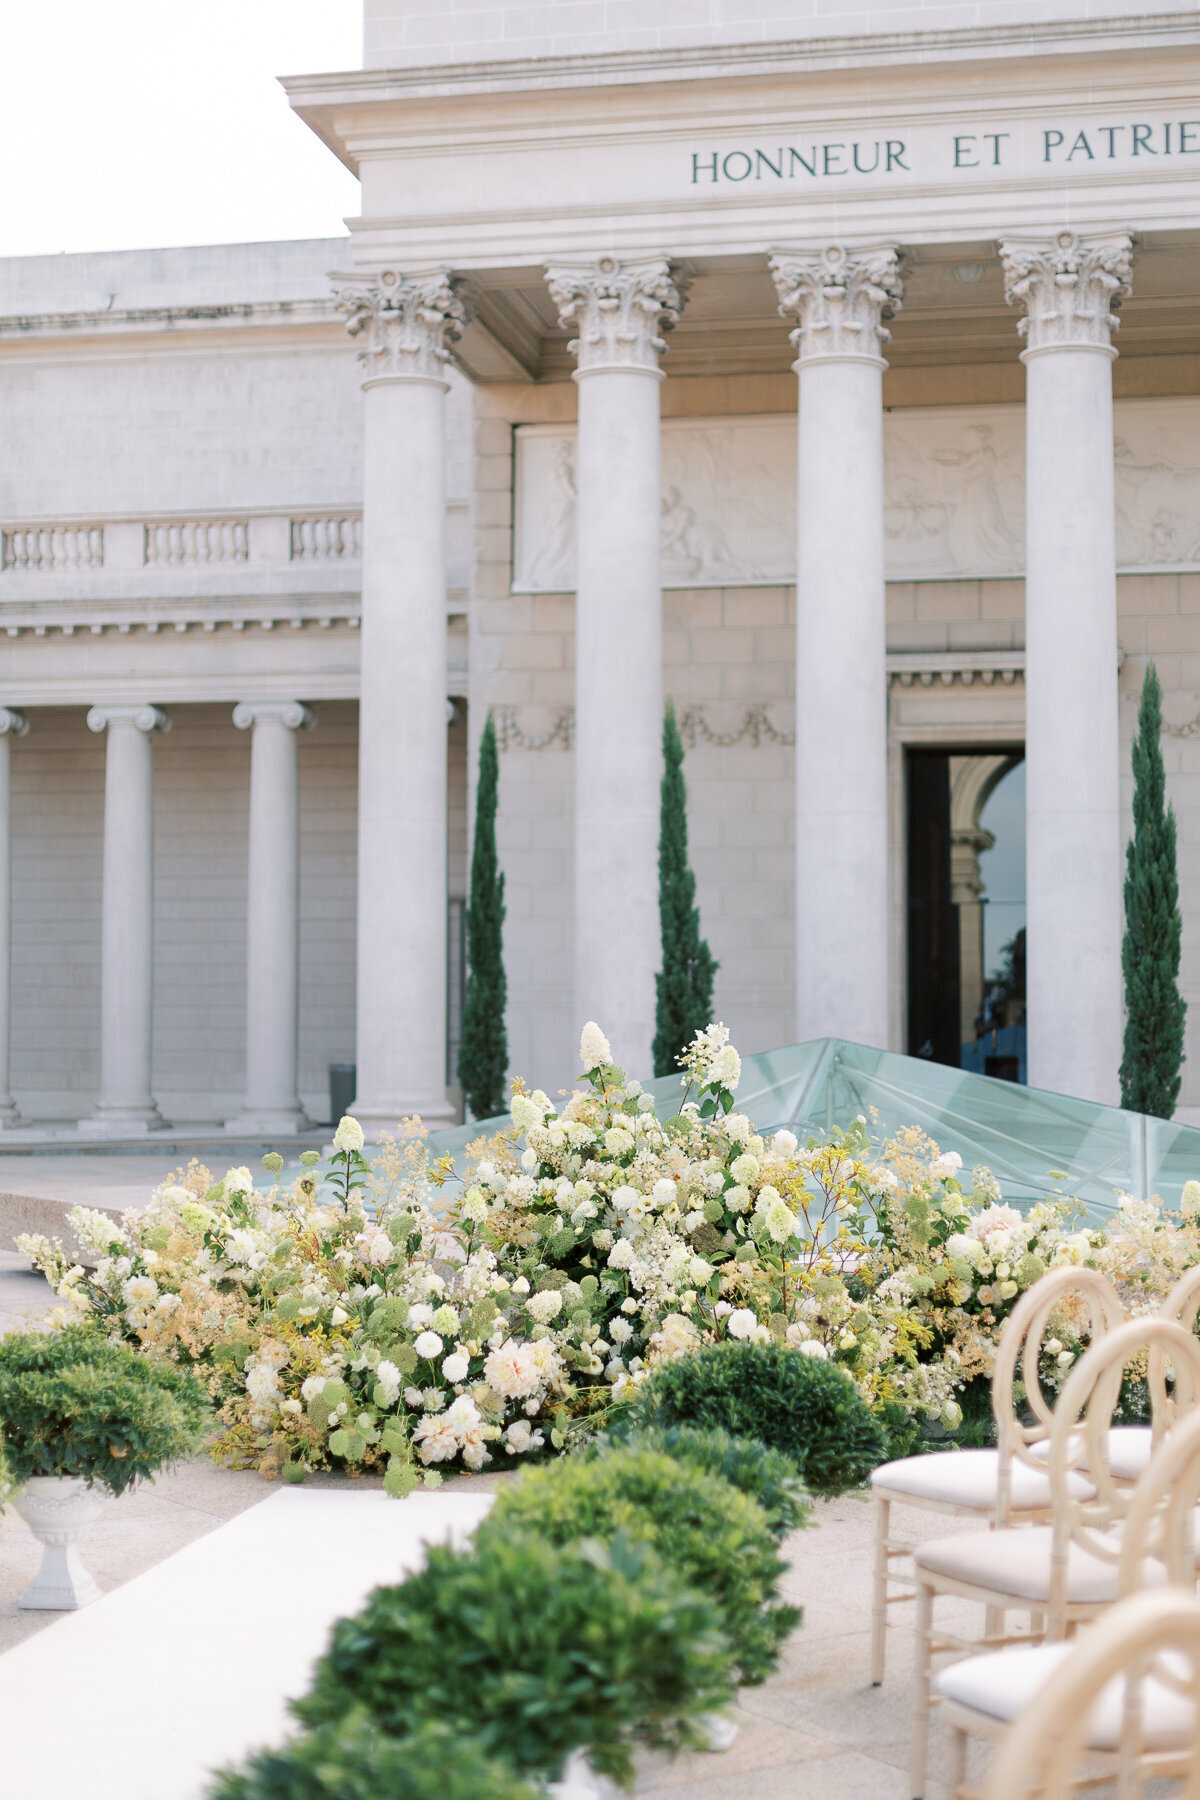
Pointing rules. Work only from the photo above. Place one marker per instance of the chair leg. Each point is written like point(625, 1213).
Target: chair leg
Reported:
point(922, 1679)
point(957, 1777)
point(879, 1590)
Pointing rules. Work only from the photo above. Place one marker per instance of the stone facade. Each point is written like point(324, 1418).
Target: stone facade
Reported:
point(200, 509)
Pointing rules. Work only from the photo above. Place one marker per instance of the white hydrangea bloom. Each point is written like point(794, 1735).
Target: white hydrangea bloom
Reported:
point(595, 1051)
point(349, 1135)
point(544, 1306)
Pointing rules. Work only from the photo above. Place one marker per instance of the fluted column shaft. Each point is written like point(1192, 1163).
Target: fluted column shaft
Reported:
point(126, 1104)
point(402, 779)
point(840, 298)
point(12, 724)
point(620, 309)
point(1069, 287)
point(272, 1103)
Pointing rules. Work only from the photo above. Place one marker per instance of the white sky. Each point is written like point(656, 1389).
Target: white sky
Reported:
point(130, 123)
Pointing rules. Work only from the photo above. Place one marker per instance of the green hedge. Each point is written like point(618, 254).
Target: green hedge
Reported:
point(72, 1403)
point(353, 1760)
point(718, 1540)
point(746, 1463)
point(808, 1409)
point(535, 1651)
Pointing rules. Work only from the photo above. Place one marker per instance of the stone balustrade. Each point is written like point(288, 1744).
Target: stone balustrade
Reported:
point(202, 541)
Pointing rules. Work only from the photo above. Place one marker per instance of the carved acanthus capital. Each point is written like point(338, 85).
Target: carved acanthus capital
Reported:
point(146, 719)
point(621, 308)
point(841, 298)
point(292, 713)
point(407, 321)
point(1070, 287)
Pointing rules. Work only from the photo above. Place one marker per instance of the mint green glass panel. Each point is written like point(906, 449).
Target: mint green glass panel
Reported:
point(1030, 1139)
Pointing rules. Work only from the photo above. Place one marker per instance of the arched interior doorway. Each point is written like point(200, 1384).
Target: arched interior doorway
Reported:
point(966, 908)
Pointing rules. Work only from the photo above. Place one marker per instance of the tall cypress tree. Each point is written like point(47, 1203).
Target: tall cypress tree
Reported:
point(1154, 1008)
point(483, 1053)
point(685, 984)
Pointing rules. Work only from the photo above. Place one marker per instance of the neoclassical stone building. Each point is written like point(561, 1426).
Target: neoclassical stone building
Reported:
point(753, 354)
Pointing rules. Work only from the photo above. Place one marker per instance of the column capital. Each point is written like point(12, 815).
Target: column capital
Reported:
point(408, 321)
point(12, 723)
point(620, 307)
point(292, 713)
point(1070, 287)
point(146, 718)
point(841, 295)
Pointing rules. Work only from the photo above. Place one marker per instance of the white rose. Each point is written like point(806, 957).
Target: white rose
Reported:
point(349, 1135)
point(428, 1344)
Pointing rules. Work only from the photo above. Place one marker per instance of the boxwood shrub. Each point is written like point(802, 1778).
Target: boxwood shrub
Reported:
point(806, 1408)
point(718, 1540)
point(535, 1651)
point(746, 1463)
point(72, 1403)
point(353, 1760)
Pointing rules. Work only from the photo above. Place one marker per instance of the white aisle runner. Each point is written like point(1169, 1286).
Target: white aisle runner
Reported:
point(141, 1695)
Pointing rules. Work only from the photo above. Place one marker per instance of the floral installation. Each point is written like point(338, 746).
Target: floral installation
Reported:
point(393, 1314)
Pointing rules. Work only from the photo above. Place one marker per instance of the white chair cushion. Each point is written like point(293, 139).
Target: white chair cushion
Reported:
point(1128, 1448)
point(966, 1478)
point(1001, 1684)
point(1016, 1564)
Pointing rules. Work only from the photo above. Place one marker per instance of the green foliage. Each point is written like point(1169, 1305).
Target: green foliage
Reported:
point(808, 1409)
point(72, 1403)
point(483, 1053)
point(746, 1463)
point(718, 1540)
point(685, 982)
point(353, 1760)
point(1154, 1007)
point(535, 1651)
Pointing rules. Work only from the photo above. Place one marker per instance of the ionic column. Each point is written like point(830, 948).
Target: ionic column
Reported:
point(12, 724)
point(272, 1104)
point(405, 322)
point(620, 310)
point(126, 1105)
point(841, 297)
point(1069, 287)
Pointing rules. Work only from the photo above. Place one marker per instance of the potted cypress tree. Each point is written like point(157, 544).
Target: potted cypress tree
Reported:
point(82, 1419)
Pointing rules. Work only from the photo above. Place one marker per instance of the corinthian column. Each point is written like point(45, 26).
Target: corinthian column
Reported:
point(126, 1105)
point(12, 724)
point(273, 916)
point(620, 310)
point(405, 323)
point(840, 298)
point(1069, 287)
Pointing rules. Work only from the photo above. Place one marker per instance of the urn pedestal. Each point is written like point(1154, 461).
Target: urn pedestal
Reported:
point(57, 1509)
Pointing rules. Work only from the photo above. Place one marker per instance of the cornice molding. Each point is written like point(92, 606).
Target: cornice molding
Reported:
point(360, 88)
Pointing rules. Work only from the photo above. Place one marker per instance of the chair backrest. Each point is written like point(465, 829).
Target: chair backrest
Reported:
point(1161, 1517)
point(1090, 1505)
point(1183, 1301)
point(1151, 1633)
point(1019, 1353)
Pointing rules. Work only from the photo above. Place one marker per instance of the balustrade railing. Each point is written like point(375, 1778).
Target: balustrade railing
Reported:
point(48, 548)
point(184, 543)
point(333, 537)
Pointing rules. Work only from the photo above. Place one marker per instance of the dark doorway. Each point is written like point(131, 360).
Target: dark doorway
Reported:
point(966, 908)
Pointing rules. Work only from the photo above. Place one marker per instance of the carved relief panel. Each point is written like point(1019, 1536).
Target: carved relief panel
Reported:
point(955, 495)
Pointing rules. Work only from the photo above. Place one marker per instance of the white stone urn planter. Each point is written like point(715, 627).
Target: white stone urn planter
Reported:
point(57, 1509)
point(581, 1782)
point(720, 1731)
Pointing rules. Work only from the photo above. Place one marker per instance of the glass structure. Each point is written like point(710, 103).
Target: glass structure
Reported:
point(1031, 1140)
